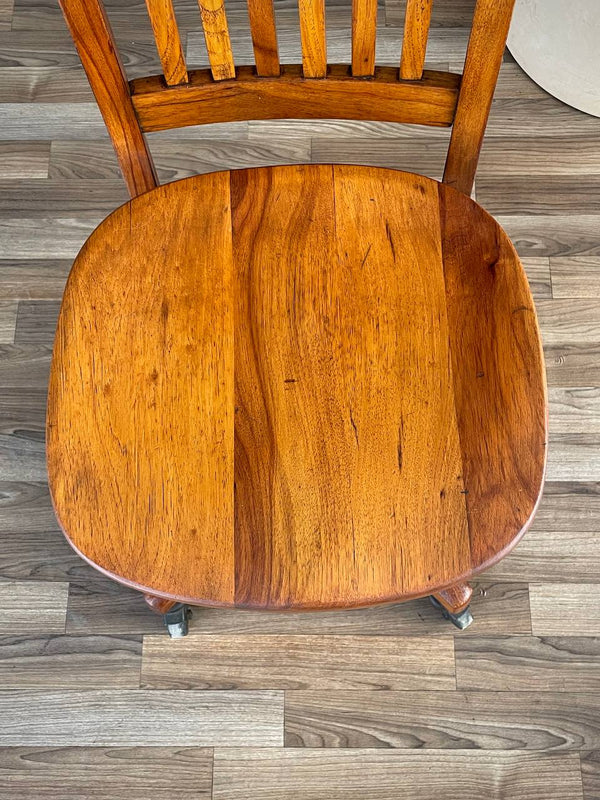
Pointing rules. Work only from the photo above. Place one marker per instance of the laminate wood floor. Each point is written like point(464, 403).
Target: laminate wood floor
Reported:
point(95, 700)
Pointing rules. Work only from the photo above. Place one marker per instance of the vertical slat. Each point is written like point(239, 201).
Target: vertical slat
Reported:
point(364, 31)
point(168, 43)
point(414, 43)
point(312, 35)
point(264, 37)
point(491, 22)
point(95, 43)
point(218, 43)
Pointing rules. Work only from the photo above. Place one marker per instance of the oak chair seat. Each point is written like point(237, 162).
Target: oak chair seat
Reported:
point(296, 387)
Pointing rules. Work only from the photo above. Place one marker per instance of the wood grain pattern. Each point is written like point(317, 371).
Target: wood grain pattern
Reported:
point(67, 661)
point(25, 365)
point(34, 606)
point(484, 56)
point(218, 43)
point(342, 495)
point(312, 36)
point(483, 370)
point(174, 158)
point(28, 160)
point(364, 33)
point(266, 774)
point(577, 277)
point(551, 555)
point(8, 321)
point(264, 37)
point(414, 42)
point(168, 42)
point(359, 425)
point(536, 720)
point(553, 234)
point(121, 773)
point(134, 717)
point(559, 609)
point(590, 773)
point(29, 198)
point(431, 102)
point(93, 37)
point(6, 14)
point(544, 194)
point(99, 605)
point(196, 453)
point(528, 663)
point(23, 279)
point(298, 662)
point(36, 321)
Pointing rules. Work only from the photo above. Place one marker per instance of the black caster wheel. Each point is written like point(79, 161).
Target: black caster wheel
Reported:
point(176, 620)
point(461, 620)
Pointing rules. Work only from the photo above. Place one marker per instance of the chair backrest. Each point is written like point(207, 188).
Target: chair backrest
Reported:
point(271, 90)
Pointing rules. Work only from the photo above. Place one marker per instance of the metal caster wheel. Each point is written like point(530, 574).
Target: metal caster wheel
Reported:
point(176, 620)
point(461, 620)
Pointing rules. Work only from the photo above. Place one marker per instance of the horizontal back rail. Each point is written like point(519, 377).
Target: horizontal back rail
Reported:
point(432, 101)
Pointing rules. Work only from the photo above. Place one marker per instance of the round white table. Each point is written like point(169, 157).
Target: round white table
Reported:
point(557, 43)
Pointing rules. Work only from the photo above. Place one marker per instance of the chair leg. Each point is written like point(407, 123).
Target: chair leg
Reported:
point(454, 604)
point(175, 615)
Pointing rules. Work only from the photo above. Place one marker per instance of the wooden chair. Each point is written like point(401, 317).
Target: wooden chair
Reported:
point(298, 387)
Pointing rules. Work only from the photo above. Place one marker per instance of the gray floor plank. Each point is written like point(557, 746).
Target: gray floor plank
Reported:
point(25, 366)
point(174, 158)
point(33, 606)
point(553, 235)
point(33, 280)
point(99, 605)
point(559, 609)
point(124, 717)
point(24, 160)
point(81, 199)
point(528, 663)
point(539, 721)
point(298, 662)
point(36, 321)
point(292, 774)
point(575, 409)
point(65, 662)
point(590, 769)
point(8, 320)
point(576, 277)
point(573, 364)
point(106, 773)
point(33, 239)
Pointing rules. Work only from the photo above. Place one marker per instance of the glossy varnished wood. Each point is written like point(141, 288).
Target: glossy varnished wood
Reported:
point(384, 432)
point(264, 37)
point(414, 43)
point(216, 34)
point(179, 393)
point(491, 21)
point(97, 49)
point(364, 33)
point(168, 42)
point(431, 101)
point(312, 34)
